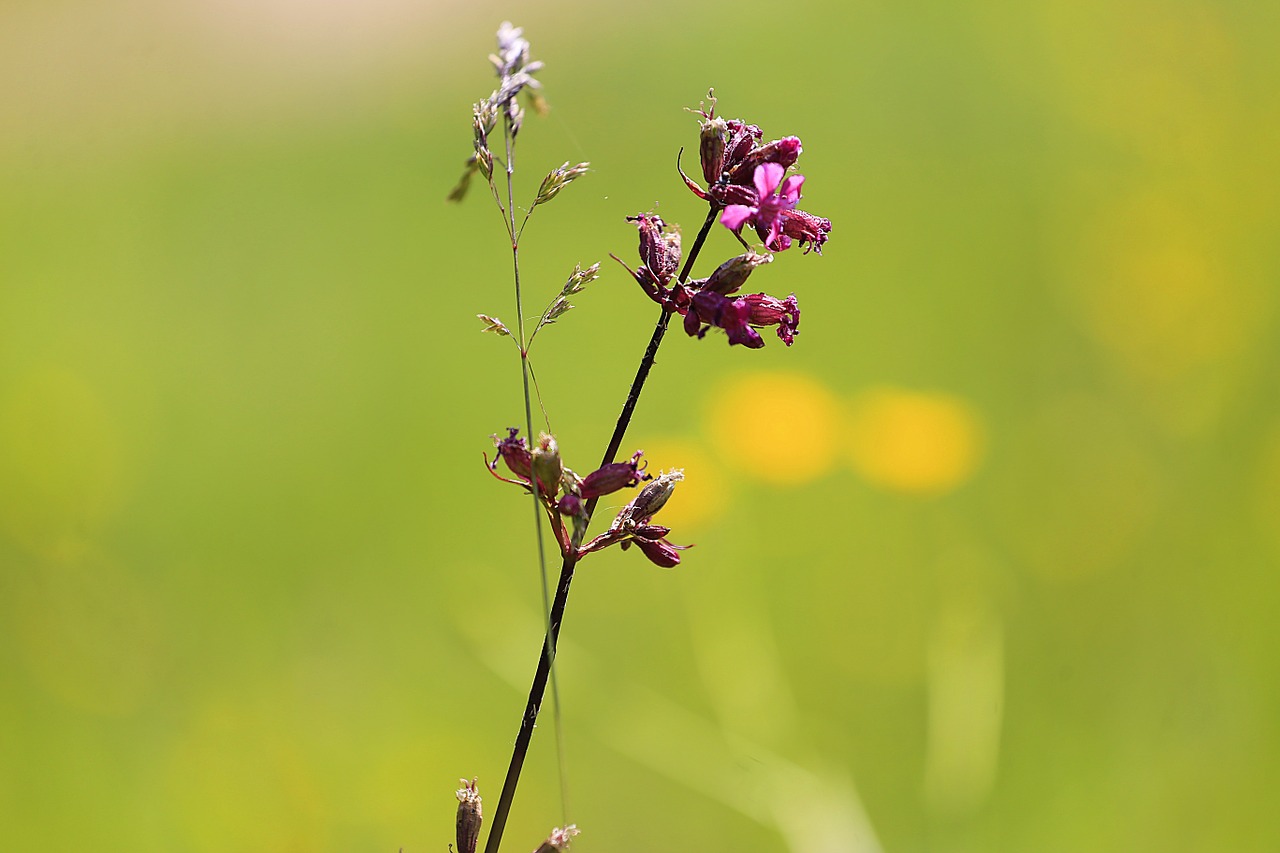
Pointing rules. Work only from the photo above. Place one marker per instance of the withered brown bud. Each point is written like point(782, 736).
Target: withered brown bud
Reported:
point(469, 817)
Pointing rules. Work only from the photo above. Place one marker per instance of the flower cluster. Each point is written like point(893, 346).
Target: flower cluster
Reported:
point(745, 178)
point(634, 524)
point(747, 184)
point(712, 301)
point(564, 496)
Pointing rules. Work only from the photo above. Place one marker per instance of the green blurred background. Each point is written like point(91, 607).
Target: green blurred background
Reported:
point(987, 561)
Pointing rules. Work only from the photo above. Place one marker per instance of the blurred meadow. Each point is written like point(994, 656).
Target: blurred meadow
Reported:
point(987, 561)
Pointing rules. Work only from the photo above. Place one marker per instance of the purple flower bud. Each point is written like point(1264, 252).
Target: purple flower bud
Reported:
point(784, 152)
point(766, 310)
point(806, 228)
point(660, 552)
point(730, 194)
point(648, 283)
point(570, 505)
point(722, 146)
point(743, 138)
point(651, 531)
point(633, 524)
point(515, 452)
point(612, 477)
point(659, 247)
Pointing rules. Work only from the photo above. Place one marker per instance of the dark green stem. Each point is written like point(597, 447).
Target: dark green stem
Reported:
point(545, 660)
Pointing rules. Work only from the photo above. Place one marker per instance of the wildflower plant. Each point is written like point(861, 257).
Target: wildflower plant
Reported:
point(747, 183)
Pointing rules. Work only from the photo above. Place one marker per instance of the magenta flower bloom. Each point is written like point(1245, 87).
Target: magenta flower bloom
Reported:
point(709, 308)
point(774, 197)
point(710, 301)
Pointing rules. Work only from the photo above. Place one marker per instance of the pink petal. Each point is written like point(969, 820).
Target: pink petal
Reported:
point(735, 215)
point(775, 231)
point(767, 177)
point(791, 189)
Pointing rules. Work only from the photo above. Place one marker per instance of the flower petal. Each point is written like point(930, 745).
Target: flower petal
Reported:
point(791, 189)
point(735, 215)
point(767, 178)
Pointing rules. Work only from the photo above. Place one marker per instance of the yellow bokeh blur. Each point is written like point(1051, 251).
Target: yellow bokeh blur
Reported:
point(60, 462)
point(778, 427)
point(986, 561)
point(702, 496)
point(915, 442)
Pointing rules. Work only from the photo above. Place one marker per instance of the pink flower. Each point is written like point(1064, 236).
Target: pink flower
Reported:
point(774, 197)
point(711, 302)
point(709, 308)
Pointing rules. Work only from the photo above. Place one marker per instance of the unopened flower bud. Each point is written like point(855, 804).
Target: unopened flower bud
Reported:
point(806, 228)
point(546, 464)
point(653, 497)
point(743, 138)
point(633, 527)
point(711, 145)
point(785, 152)
point(659, 247)
point(612, 477)
point(515, 452)
point(660, 552)
point(558, 840)
point(769, 310)
point(469, 816)
point(732, 274)
point(570, 505)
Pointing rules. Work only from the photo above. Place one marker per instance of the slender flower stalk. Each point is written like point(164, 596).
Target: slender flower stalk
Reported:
point(546, 659)
point(509, 136)
point(551, 186)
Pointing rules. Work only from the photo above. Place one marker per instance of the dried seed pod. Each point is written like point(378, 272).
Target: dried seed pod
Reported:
point(469, 816)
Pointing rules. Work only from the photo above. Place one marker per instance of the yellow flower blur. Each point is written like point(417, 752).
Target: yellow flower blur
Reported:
point(913, 441)
point(779, 427)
